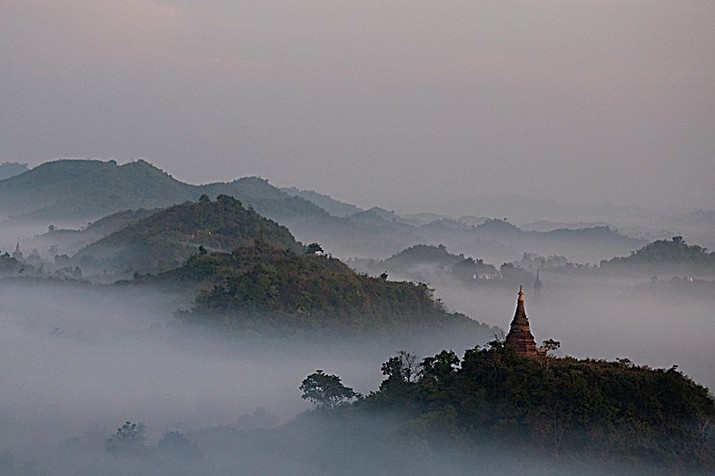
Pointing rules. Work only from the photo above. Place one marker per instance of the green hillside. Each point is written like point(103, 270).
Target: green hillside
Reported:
point(665, 256)
point(165, 239)
point(457, 266)
point(562, 408)
point(265, 289)
point(116, 221)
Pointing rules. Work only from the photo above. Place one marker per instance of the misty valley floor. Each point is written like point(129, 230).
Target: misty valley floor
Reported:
point(77, 361)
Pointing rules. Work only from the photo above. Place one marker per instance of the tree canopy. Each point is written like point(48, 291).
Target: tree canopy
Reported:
point(612, 410)
point(263, 288)
point(326, 391)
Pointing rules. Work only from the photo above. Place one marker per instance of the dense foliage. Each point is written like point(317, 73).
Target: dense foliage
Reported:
point(615, 411)
point(325, 390)
point(165, 239)
point(270, 287)
point(674, 255)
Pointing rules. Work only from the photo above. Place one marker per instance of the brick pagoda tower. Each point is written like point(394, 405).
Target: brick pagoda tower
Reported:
point(520, 337)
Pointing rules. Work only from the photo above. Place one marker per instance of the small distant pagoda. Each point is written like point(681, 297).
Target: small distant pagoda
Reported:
point(520, 337)
point(18, 254)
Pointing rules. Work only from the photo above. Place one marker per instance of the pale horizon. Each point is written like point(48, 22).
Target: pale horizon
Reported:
point(582, 102)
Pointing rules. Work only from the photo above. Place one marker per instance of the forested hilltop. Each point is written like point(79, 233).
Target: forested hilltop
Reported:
point(435, 264)
point(578, 412)
point(165, 239)
point(665, 256)
point(247, 275)
point(271, 290)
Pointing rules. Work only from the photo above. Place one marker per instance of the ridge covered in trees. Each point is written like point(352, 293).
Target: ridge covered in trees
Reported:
point(611, 412)
point(664, 254)
point(267, 290)
point(165, 239)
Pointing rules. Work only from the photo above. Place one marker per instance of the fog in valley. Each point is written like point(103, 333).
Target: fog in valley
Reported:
point(79, 360)
point(81, 354)
point(303, 162)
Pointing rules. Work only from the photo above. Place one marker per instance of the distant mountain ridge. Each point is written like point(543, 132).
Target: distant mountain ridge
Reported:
point(72, 190)
point(61, 241)
point(546, 225)
point(88, 189)
point(327, 203)
point(10, 169)
point(423, 262)
point(436, 265)
point(665, 256)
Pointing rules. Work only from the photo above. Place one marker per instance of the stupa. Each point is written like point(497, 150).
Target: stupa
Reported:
point(520, 337)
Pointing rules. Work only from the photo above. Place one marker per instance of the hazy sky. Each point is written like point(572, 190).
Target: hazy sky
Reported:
point(374, 101)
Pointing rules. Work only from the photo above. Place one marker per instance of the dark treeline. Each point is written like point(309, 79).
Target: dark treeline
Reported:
point(490, 412)
point(264, 289)
point(567, 409)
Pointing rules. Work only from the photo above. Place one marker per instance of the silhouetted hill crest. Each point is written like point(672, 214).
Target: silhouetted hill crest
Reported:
point(665, 253)
point(166, 238)
point(496, 225)
point(76, 191)
point(268, 290)
point(326, 202)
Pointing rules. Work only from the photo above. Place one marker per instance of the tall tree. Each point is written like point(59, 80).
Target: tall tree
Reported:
point(325, 390)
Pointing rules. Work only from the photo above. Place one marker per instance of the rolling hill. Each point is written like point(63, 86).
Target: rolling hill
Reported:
point(9, 169)
point(165, 239)
point(67, 190)
point(74, 192)
point(327, 203)
point(665, 256)
point(78, 191)
point(267, 290)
